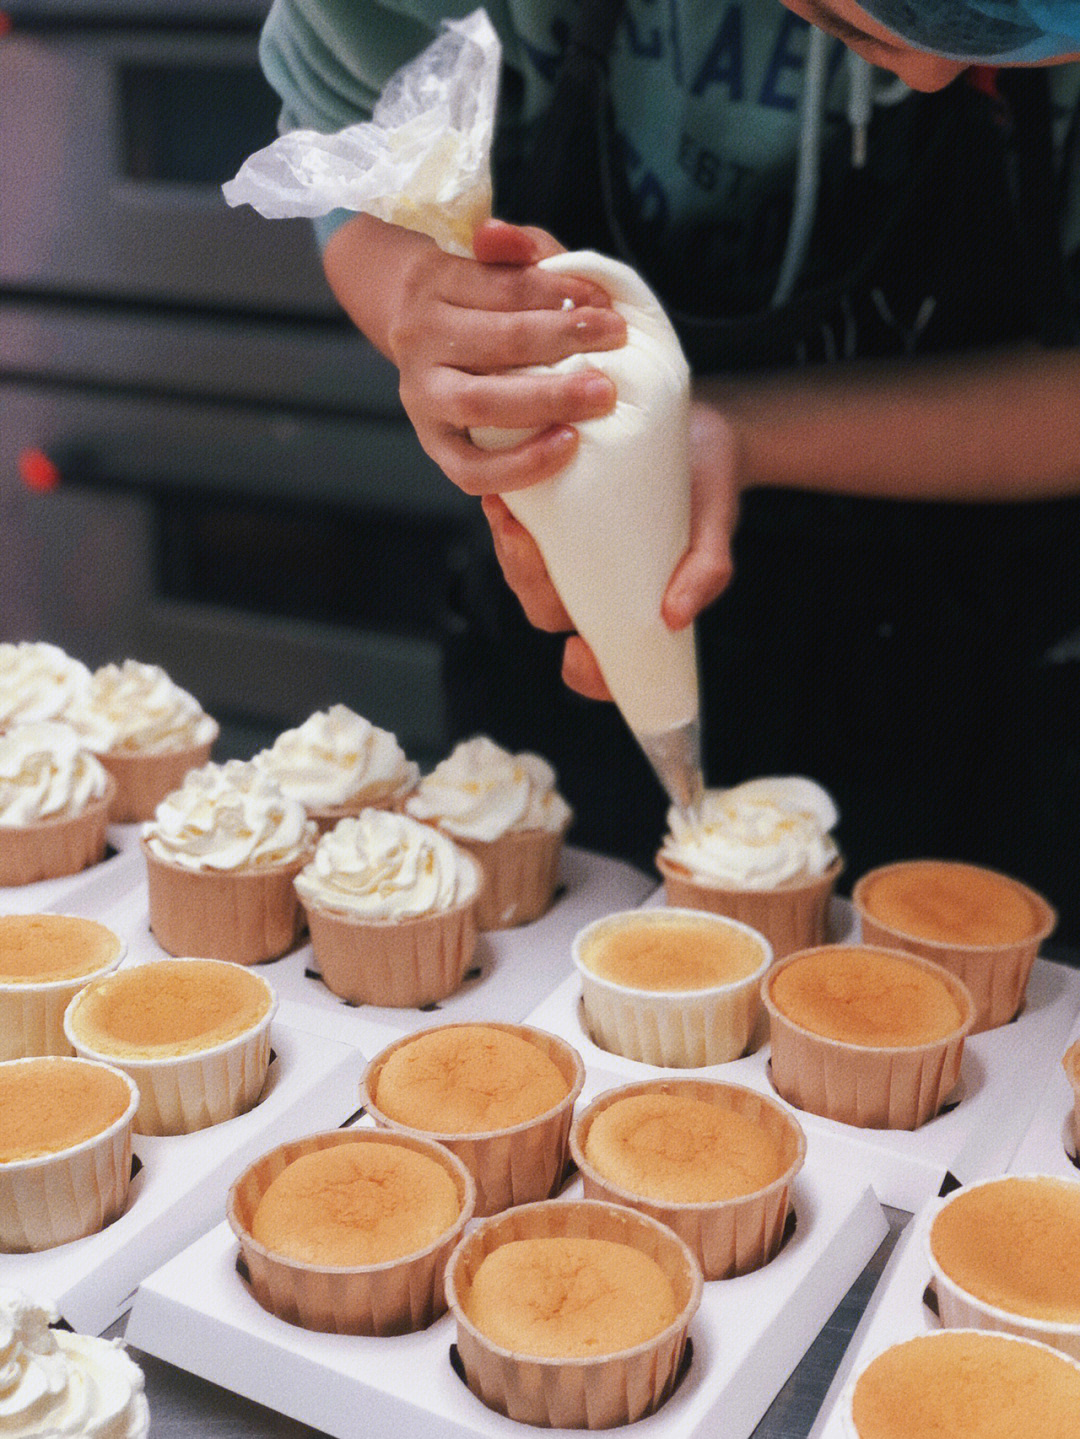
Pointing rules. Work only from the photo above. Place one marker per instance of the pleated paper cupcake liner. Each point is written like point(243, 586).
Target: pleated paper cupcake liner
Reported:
point(521, 870)
point(398, 1296)
point(871, 1088)
point(791, 916)
point(144, 779)
point(727, 1237)
point(243, 915)
point(516, 1165)
point(591, 1393)
point(32, 1015)
point(52, 848)
point(57, 1198)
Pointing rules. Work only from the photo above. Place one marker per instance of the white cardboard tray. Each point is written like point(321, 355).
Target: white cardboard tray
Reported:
point(196, 1312)
point(182, 1183)
point(1003, 1074)
point(517, 967)
point(1049, 1146)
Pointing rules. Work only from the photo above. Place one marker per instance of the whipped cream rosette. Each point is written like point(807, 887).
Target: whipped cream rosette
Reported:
point(38, 682)
point(505, 810)
point(54, 803)
point(222, 852)
point(337, 763)
point(391, 906)
point(761, 852)
point(146, 730)
point(53, 1383)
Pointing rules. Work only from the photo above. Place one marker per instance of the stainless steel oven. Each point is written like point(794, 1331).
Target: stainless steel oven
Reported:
point(200, 462)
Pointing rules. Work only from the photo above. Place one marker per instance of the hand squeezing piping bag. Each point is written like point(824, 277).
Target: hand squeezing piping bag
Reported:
point(613, 525)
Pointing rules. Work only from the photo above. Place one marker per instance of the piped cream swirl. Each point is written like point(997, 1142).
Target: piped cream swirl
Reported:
point(135, 708)
point(757, 835)
point(38, 682)
point(337, 757)
point(46, 772)
point(480, 792)
point(55, 1384)
point(227, 817)
point(385, 866)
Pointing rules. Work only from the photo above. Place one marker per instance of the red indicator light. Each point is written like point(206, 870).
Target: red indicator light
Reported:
point(37, 471)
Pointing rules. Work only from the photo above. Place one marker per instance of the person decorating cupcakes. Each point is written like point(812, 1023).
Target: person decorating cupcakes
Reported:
point(743, 165)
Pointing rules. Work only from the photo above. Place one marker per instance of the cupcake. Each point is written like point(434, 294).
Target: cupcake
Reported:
point(54, 803)
point(194, 1035)
point(65, 1149)
point(984, 926)
point(673, 987)
point(37, 682)
point(1005, 1255)
point(56, 1382)
point(761, 853)
point(714, 1162)
point(1071, 1064)
point(222, 852)
point(391, 907)
point(349, 1232)
point(572, 1314)
point(500, 1096)
point(337, 764)
point(869, 1037)
point(964, 1383)
point(505, 811)
point(146, 731)
point(45, 959)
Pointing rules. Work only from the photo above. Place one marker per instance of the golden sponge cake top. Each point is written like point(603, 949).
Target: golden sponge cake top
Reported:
point(1015, 1243)
point(947, 902)
point(41, 948)
point(468, 1079)
point(967, 1385)
point(658, 951)
point(168, 1008)
point(567, 1297)
point(681, 1150)
point(50, 1104)
point(356, 1204)
point(868, 997)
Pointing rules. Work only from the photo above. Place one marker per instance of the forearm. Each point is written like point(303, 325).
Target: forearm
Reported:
point(995, 426)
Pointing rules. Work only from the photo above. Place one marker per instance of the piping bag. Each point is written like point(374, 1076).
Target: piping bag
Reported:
point(614, 523)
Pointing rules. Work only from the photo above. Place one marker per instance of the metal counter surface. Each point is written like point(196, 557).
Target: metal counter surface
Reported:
point(183, 1405)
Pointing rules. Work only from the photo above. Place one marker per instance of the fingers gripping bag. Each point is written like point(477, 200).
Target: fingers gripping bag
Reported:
point(614, 523)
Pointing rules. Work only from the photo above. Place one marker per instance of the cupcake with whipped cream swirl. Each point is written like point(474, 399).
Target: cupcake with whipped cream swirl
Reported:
point(391, 907)
point(54, 803)
point(761, 852)
point(54, 1383)
point(147, 732)
point(337, 763)
point(38, 681)
point(222, 852)
point(505, 810)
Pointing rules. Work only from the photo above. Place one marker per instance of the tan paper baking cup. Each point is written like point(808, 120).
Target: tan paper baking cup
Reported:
point(187, 1092)
point(400, 963)
point(891, 1087)
point(32, 1015)
point(729, 1236)
point(51, 848)
point(144, 779)
point(996, 974)
point(1071, 1063)
point(674, 1029)
point(57, 1198)
point(327, 816)
point(591, 1393)
point(846, 1402)
point(395, 1297)
point(958, 1308)
point(791, 916)
point(244, 915)
point(517, 1165)
point(521, 870)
